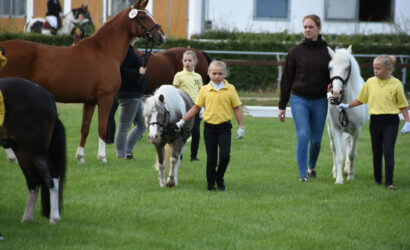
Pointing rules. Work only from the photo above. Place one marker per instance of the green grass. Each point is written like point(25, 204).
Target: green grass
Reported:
point(119, 204)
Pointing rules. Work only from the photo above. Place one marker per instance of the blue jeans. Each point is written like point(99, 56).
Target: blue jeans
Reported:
point(131, 110)
point(309, 117)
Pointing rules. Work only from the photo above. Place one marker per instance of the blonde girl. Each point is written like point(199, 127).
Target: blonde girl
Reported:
point(219, 98)
point(385, 95)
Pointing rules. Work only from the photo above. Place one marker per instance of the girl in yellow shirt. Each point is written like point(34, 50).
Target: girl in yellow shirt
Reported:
point(191, 82)
point(385, 95)
point(219, 99)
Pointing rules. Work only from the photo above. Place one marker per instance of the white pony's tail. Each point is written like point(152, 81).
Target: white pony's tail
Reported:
point(168, 152)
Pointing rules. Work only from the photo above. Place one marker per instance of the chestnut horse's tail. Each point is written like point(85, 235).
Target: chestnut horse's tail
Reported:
point(209, 60)
point(57, 155)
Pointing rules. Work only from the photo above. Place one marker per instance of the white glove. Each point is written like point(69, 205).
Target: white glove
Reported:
point(406, 128)
point(201, 112)
point(180, 123)
point(342, 106)
point(240, 133)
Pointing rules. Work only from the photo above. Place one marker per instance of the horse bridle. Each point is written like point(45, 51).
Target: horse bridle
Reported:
point(148, 35)
point(166, 120)
point(343, 119)
point(344, 82)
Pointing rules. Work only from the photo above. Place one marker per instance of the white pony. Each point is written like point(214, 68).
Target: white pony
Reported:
point(36, 25)
point(344, 127)
point(161, 111)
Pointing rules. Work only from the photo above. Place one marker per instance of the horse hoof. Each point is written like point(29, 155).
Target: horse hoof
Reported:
point(13, 160)
point(24, 220)
point(102, 158)
point(80, 158)
point(339, 182)
point(350, 177)
point(54, 221)
point(170, 184)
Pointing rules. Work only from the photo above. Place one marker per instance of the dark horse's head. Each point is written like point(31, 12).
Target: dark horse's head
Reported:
point(144, 23)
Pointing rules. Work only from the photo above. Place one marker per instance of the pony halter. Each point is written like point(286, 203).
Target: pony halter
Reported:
point(134, 16)
point(164, 124)
point(332, 100)
point(343, 119)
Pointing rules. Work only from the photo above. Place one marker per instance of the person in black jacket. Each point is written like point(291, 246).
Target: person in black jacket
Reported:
point(305, 82)
point(53, 15)
point(133, 83)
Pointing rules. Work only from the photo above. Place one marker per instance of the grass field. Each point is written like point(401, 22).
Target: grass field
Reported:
point(119, 204)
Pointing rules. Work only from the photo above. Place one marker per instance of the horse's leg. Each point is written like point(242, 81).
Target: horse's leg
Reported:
point(30, 205)
point(338, 156)
point(104, 107)
point(43, 167)
point(160, 165)
point(351, 154)
point(177, 149)
point(335, 134)
point(54, 202)
point(88, 111)
point(332, 146)
point(32, 186)
point(11, 157)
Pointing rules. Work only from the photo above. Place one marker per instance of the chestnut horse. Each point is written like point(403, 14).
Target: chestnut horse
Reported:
point(89, 71)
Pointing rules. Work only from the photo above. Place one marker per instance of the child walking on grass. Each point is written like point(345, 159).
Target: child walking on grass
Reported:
point(219, 98)
point(385, 95)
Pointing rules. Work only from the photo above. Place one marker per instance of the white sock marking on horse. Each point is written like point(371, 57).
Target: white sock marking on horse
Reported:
point(31, 204)
point(11, 156)
point(80, 154)
point(54, 201)
point(101, 150)
point(161, 174)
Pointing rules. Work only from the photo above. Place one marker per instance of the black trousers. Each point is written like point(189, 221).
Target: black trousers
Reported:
point(383, 133)
point(195, 136)
point(217, 136)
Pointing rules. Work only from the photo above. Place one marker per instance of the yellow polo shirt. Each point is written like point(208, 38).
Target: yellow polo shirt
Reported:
point(3, 60)
point(2, 109)
point(384, 96)
point(218, 103)
point(191, 82)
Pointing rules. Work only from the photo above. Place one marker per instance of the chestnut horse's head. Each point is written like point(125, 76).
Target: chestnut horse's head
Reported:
point(144, 23)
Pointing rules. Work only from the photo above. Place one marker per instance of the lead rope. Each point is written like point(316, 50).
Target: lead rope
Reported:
point(343, 119)
point(148, 53)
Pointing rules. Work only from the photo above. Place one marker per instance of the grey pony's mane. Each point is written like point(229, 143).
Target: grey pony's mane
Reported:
point(173, 100)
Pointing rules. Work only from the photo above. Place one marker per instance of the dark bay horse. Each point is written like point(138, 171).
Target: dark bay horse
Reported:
point(89, 71)
point(31, 128)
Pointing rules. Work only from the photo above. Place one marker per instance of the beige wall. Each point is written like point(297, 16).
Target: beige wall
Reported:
point(12, 24)
point(179, 9)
